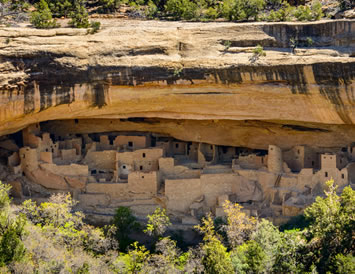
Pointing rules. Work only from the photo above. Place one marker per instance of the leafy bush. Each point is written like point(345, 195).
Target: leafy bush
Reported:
point(79, 16)
point(306, 13)
point(183, 9)
point(125, 223)
point(285, 13)
point(268, 237)
point(61, 8)
point(109, 5)
point(239, 226)
point(94, 27)
point(12, 248)
point(290, 253)
point(158, 223)
point(249, 258)
point(235, 10)
point(259, 51)
point(215, 258)
point(66, 228)
point(332, 222)
point(42, 17)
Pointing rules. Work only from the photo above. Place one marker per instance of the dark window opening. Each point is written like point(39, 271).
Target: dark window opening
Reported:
point(326, 174)
point(312, 163)
point(143, 155)
point(142, 177)
point(46, 149)
point(177, 145)
point(211, 147)
point(141, 168)
point(93, 172)
point(342, 176)
point(124, 167)
point(130, 144)
point(52, 150)
point(76, 121)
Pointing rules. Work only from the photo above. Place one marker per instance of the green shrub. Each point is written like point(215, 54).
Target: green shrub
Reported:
point(331, 230)
point(215, 258)
point(259, 51)
point(109, 6)
point(291, 252)
point(12, 230)
point(79, 17)
point(344, 264)
point(151, 10)
point(306, 13)
point(125, 222)
point(252, 8)
point(303, 13)
point(94, 27)
point(235, 10)
point(285, 13)
point(158, 223)
point(60, 8)
point(181, 9)
point(268, 237)
point(42, 18)
point(249, 258)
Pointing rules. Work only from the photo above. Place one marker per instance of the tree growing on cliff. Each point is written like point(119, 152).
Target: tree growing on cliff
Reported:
point(79, 15)
point(42, 18)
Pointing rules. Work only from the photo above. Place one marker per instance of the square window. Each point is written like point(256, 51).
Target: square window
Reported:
point(130, 144)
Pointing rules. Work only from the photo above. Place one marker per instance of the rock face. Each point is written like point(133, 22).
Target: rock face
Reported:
point(152, 73)
point(201, 84)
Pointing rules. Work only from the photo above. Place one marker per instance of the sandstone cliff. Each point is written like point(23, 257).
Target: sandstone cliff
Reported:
point(196, 82)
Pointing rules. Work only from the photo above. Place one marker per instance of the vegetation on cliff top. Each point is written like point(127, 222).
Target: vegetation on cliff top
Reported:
point(197, 10)
point(52, 238)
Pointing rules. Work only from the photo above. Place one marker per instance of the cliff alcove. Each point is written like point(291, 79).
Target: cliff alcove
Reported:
point(141, 112)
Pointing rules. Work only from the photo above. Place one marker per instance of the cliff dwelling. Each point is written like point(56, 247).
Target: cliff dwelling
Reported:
point(167, 115)
point(144, 170)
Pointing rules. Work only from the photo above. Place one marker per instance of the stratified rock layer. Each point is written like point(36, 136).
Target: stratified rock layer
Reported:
point(194, 81)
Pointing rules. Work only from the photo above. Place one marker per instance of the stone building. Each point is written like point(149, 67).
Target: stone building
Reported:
point(189, 179)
